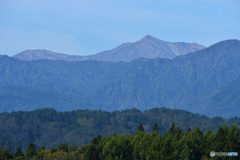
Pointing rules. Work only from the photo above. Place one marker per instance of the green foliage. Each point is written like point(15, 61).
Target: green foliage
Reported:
point(172, 130)
point(47, 127)
point(39, 153)
point(63, 147)
point(119, 147)
point(92, 153)
point(140, 128)
point(31, 151)
point(181, 145)
point(18, 153)
point(178, 133)
point(53, 150)
point(72, 148)
point(5, 154)
point(220, 140)
point(96, 140)
point(81, 151)
point(155, 127)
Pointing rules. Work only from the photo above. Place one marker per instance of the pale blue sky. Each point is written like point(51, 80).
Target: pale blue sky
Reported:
point(79, 27)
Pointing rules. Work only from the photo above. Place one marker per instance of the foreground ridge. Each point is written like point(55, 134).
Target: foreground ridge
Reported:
point(176, 144)
point(48, 127)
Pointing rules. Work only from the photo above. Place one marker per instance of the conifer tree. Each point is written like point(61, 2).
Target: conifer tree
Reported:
point(172, 129)
point(232, 143)
point(167, 149)
point(124, 149)
point(140, 128)
point(92, 153)
point(155, 128)
point(95, 141)
point(178, 132)
point(63, 147)
point(220, 140)
point(197, 143)
point(99, 137)
point(18, 153)
point(31, 151)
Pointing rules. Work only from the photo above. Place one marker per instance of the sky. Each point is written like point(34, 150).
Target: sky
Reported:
point(78, 27)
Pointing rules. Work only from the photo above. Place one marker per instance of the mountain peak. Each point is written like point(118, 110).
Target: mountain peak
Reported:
point(148, 37)
point(40, 54)
point(230, 41)
point(226, 43)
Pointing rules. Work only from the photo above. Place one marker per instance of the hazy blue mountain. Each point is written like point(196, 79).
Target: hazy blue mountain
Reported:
point(14, 98)
point(190, 82)
point(148, 47)
point(29, 55)
point(40, 54)
point(225, 99)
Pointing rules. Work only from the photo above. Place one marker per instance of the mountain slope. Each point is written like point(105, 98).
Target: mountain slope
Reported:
point(183, 82)
point(15, 98)
point(29, 55)
point(225, 99)
point(148, 47)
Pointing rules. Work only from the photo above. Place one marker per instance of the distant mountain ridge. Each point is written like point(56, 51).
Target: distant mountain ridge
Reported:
point(198, 82)
point(148, 47)
point(29, 55)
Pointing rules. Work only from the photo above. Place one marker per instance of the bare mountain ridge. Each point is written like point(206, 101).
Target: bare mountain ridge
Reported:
point(148, 47)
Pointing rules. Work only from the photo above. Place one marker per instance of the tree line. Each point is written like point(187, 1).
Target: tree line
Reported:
point(175, 144)
point(47, 127)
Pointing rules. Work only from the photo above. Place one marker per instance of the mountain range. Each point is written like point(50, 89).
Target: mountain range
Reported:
point(205, 82)
point(148, 47)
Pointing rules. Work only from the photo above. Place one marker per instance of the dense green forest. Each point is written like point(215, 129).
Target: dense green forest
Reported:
point(205, 82)
point(174, 145)
point(48, 127)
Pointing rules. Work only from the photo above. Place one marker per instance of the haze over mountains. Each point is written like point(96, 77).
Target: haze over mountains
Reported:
point(205, 82)
point(148, 47)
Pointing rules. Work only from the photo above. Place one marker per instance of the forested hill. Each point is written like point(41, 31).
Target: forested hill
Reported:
point(48, 127)
point(195, 82)
point(175, 145)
